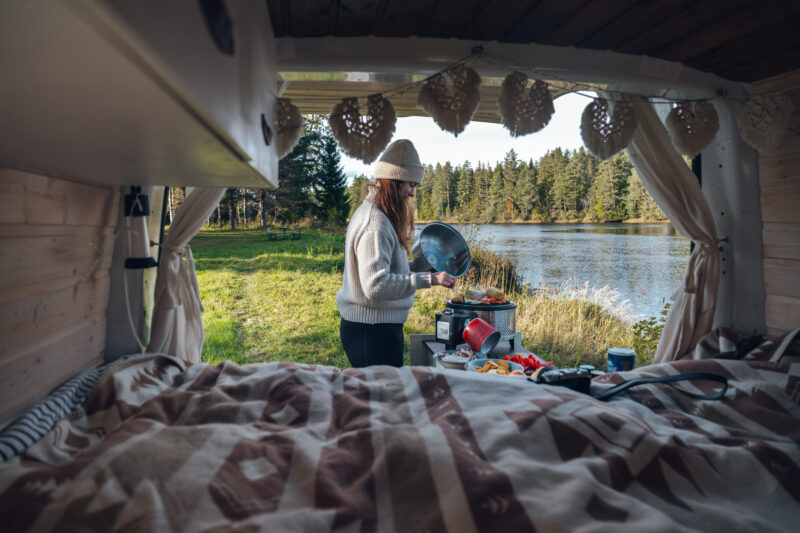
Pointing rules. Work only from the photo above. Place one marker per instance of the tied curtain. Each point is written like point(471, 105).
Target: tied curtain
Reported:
point(177, 311)
point(675, 188)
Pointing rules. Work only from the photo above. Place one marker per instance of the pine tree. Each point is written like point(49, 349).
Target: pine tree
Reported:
point(333, 205)
point(496, 198)
point(356, 193)
point(481, 207)
point(525, 191)
point(610, 188)
point(639, 203)
point(439, 192)
point(510, 172)
point(465, 191)
point(425, 210)
point(561, 186)
point(449, 178)
point(291, 200)
point(544, 202)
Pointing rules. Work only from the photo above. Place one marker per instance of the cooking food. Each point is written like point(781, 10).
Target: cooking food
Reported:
point(495, 294)
point(491, 301)
point(457, 297)
point(474, 294)
point(528, 363)
point(494, 367)
point(489, 296)
point(462, 356)
point(453, 359)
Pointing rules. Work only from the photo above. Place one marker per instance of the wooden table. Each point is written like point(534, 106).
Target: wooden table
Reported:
point(286, 233)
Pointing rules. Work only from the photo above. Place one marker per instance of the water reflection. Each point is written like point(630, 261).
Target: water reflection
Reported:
point(618, 229)
point(645, 263)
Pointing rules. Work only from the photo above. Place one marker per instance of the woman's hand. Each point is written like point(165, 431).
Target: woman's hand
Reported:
point(444, 279)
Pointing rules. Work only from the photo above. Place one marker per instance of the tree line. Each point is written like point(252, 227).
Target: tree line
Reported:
point(562, 185)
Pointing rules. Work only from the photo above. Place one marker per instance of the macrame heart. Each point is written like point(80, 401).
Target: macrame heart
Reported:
point(290, 126)
point(764, 119)
point(692, 126)
point(363, 137)
point(524, 111)
point(451, 107)
point(604, 137)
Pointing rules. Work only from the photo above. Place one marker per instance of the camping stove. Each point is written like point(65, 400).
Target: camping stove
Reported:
point(450, 326)
point(503, 316)
point(450, 322)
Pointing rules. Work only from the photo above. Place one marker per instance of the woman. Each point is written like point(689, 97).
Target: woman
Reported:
point(378, 289)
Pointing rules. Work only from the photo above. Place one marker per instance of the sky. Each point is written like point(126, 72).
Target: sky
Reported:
point(487, 143)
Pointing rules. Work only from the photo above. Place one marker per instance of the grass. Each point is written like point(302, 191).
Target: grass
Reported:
point(275, 301)
point(269, 300)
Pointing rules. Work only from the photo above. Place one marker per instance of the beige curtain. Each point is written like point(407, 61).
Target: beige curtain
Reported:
point(177, 322)
point(673, 185)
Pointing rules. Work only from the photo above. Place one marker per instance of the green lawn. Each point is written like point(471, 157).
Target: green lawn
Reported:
point(274, 300)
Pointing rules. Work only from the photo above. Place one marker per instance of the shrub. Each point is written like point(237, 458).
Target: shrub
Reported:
point(646, 334)
point(491, 270)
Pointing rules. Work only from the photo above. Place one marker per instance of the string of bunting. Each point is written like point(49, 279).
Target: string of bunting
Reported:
point(363, 136)
point(525, 106)
point(451, 105)
point(604, 136)
point(290, 126)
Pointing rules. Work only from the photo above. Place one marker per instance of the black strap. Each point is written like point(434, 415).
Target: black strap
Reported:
point(613, 391)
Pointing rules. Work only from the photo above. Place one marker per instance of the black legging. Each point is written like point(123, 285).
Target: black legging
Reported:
point(372, 344)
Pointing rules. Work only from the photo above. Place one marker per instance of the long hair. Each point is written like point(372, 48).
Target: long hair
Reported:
point(399, 210)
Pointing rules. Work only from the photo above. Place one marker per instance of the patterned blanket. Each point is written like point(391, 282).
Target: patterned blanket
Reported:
point(166, 446)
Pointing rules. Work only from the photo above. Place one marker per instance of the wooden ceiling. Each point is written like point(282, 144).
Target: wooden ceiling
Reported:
point(740, 40)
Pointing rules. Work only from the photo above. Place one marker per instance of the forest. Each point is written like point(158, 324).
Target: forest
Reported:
point(561, 186)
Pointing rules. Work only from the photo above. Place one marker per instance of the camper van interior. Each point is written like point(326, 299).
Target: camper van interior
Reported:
point(109, 420)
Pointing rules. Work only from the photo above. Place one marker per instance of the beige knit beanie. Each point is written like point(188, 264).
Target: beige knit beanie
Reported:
point(400, 162)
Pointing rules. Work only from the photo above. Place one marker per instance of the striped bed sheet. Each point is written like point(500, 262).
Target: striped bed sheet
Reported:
point(40, 419)
point(169, 446)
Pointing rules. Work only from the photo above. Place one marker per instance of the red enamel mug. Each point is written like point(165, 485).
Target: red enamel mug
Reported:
point(481, 336)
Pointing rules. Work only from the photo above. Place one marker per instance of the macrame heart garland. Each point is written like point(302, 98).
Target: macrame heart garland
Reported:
point(692, 126)
point(451, 107)
point(523, 111)
point(290, 126)
point(363, 136)
point(604, 137)
point(764, 119)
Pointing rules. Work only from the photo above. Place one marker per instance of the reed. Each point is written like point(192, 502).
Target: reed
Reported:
point(488, 268)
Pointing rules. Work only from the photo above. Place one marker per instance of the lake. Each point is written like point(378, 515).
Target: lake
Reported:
point(642, 264)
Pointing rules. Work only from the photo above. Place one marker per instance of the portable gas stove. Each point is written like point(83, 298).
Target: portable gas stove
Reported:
point(502, 316)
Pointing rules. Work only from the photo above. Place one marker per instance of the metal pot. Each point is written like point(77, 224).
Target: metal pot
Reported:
point(439, 247)
point(502, 316)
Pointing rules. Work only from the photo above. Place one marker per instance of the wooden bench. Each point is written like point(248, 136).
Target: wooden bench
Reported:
point(283, 233)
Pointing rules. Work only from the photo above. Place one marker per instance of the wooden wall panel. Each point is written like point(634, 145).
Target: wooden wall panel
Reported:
point(28, 374)
point(56, 245)
point(782, 241)
point(781, 314)
point(43, 314)
point(27, 198)
point(781, 277)
point(780, 207)
point(779, 178)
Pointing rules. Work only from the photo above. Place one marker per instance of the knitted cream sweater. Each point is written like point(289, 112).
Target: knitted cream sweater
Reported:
point(378, 284)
